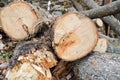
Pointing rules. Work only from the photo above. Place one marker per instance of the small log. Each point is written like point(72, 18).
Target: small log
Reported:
point(100, 24)
point(102, 45)
point(107, 37)
point(20, 19)
point(112, 44)
point(98, 66)
point(75, 35)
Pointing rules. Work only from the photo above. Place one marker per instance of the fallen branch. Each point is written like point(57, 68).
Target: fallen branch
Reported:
point(105, 10)
point(77, 5)
point(110, 20)
point(107, 37)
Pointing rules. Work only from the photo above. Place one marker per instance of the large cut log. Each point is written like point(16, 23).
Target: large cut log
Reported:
point(20, 19)
point(75, 35)
point(98, 66)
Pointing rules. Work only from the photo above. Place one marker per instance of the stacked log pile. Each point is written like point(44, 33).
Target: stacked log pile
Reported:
point(47, 46)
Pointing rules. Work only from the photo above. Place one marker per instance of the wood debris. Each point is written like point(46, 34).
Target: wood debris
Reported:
point(33, 59)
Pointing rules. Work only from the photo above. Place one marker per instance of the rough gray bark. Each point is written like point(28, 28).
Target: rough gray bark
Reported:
point(105, 10)
point(77, 5)
point(98, 66)
point(113, 49)
point(117, 16)
point(107, 1)
point(90, 3)
point(110, 20)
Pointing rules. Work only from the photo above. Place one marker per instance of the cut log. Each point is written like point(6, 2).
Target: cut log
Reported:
point(75, 35)
point(100, 24)
point(98, 66)
point(102, 45)
point(31, 61)
point(29, 71)
point(19, 19)
point(111, 45)
point(35, 51)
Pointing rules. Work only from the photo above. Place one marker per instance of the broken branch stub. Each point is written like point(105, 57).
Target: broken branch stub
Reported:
point(19, 19)
point(75, 35)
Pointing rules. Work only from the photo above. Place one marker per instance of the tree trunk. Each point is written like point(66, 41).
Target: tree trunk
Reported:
point(20, 19)
point(98, 66)
point(75, 35)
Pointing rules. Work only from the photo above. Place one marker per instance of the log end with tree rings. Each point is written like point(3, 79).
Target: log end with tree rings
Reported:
point(102, 45)
point(75, 35)
point(18, 20)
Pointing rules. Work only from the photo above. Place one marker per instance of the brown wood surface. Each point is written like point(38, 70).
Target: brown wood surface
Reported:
point(75, 35)
point(18, 20)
